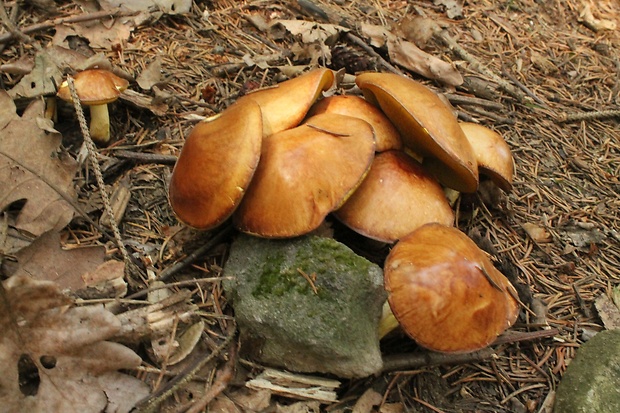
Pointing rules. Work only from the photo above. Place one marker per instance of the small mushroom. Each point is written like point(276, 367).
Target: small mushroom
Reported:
point(304, 174)
point(216, 165)
point(285, 105)
point(386, 135)
point(445, 292)
point(96, 88)
point(492, 153)
point(426, 125)
point(396, 197)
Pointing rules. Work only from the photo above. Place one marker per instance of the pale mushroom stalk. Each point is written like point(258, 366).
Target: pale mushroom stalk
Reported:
point(388, 321)
point(100, 123)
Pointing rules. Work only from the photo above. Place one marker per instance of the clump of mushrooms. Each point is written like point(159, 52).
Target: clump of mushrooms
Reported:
point(96, 88)
point(287, 156)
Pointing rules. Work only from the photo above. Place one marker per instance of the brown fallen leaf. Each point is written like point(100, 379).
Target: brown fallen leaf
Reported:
point(34, 169)
point(44, 259)
point(608, 312)
point(55, 357)
point(410, 56)
point(537, 233)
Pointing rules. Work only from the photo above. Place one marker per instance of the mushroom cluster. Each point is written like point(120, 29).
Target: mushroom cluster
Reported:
point(280, 160)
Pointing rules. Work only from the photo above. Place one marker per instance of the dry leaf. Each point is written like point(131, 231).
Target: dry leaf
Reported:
point(54, 357)
point(608, 312)
point(587, 18)
point(454, 8)
point(537, 233)
point(44, 259)
point(166, 6)
point(34, 169)
point(41, 80)
point(151, 75)
point(410, 56)
point(321, 36)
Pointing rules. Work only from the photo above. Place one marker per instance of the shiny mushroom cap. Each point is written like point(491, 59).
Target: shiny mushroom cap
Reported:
point(386, 135)
point(304, 174)
point(445, 292)
point(396, 197)
point(285, 105)
point(216, 165)
point(94, 87)
point(426, 125)
point(492, 153)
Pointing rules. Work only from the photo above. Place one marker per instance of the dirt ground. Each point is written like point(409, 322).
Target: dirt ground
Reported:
point(544, 74)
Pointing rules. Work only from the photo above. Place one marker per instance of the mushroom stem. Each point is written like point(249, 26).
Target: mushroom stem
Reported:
point(388, 322)
point(100, 124)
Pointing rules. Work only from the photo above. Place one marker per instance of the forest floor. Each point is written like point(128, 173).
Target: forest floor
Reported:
point(545, 75)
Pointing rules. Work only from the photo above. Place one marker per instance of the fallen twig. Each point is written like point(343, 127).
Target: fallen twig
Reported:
point(578, 117)
point(118, 12)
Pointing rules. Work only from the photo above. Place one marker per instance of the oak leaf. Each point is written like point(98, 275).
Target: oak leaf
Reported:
point(34, 169)
point(55, 357)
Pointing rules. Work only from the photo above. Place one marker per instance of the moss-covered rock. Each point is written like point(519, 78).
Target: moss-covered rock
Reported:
point(591, 383)
point(308, 304)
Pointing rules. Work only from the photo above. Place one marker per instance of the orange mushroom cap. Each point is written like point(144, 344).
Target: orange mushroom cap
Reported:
point(304, 174)
point(285, 105)
point(426, 126)
point(396, 197)
point(445, 292)
point(94, 87)
point(216, 165)
point(492, 153)
point(386, 135)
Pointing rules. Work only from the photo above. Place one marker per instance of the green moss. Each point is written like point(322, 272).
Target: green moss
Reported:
point(277, 280)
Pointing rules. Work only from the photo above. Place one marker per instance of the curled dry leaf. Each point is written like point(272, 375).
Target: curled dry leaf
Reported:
point(55, 357)
point(33, 168)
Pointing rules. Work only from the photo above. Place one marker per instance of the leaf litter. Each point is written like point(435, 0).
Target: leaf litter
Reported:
point(557, 233)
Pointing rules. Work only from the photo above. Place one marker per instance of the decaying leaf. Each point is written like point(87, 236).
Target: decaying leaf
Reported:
point(454, 8)
point(166, 6)
point(151, 75)
point(41, 80)
point(586, 17)
point(34, 169)
point(410, 56)
point(315, 37)
point(608, 312)
point(537, 233)
point(55, 358)
point(44, 259)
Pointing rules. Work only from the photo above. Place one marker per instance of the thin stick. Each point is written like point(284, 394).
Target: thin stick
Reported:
point(578, 117)
point(152, 403)
point(92, 154)
point(118, 12)
point(146, 157)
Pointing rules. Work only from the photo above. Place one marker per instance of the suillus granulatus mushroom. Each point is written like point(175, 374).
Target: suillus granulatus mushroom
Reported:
point(216, 165)
point(426, 125)
point(445, 292)
point(96, 88)
point(396, 197)
point(304, 174)
point(386, 135)
point(285, 105)
point(492, 154)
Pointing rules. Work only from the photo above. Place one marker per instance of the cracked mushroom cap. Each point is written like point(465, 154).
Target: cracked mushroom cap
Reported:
point(492, 153)
point(426, 125)
point(396, 197)
point(216, 165)
point(386, 135)
point(304, 174)
point(94, 87)
point(445, 292)
point(285, 105)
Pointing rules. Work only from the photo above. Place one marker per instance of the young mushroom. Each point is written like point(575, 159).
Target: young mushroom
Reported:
point(426, 125)
point(445, 292)
point(216, 165)
point(96, 88)
point(396, 197)
point(304, 174)
point(285, 105)
point(492, 153)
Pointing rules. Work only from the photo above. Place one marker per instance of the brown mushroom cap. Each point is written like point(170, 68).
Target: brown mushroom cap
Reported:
point(94, 87)
point(396, 197)
point(386, 135)
point(285, 105)
point(426, 125)
point(445, 292)
point(492, 152)
point(216, 165)
point(304, 174)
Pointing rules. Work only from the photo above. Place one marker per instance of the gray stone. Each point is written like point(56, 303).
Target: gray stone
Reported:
point(591, 383)
point(284, 322)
